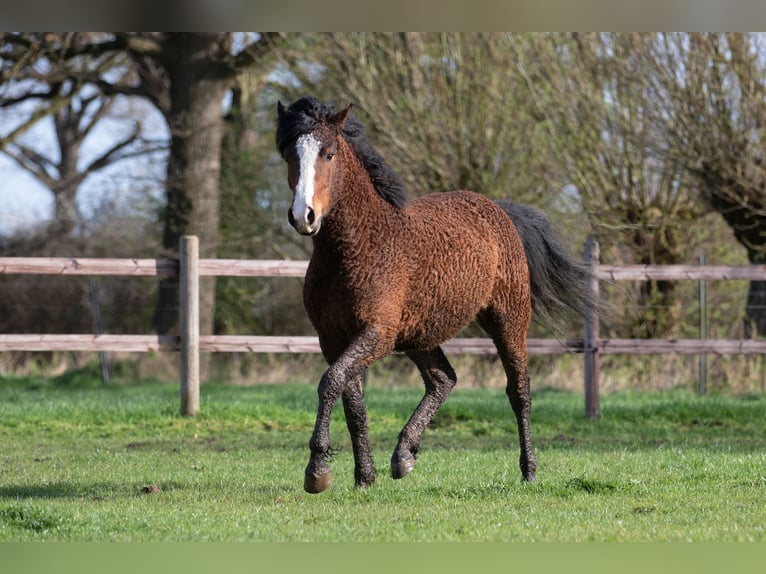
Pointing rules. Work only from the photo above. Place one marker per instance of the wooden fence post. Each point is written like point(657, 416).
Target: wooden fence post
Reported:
point(591, 334)
point(189, 315)
point(702, 290)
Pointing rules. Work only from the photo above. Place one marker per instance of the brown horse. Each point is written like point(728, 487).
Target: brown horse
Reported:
point(389, 275)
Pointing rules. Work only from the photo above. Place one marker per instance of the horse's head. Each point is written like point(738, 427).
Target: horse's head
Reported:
point(308, 137)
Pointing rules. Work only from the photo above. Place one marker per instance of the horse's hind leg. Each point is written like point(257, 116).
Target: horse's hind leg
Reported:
point(511, 342)
point(356, 420)
point(439, 379)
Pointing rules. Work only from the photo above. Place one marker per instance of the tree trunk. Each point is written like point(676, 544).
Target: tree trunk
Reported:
point(750, 231)
point(755, 307)
point(741, 208)
point(69, 137)
point(195, 118)
point(659, 300)
point(64, 210)
point(755, 310)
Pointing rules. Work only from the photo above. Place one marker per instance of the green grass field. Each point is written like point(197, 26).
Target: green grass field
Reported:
point(85, 462)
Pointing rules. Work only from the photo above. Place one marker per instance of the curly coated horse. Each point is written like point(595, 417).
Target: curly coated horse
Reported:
point(388, 275)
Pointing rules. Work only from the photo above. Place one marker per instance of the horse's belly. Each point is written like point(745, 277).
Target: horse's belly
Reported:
point(425, 331)
point(440, 304)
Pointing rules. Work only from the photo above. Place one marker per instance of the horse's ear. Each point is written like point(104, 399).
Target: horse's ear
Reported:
point(280, 109)
point(340, 118)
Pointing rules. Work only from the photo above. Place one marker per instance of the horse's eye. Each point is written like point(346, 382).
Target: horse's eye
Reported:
point(329, 156)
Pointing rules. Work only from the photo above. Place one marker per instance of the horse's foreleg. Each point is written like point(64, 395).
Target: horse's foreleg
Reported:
point(318, 476)
point(356, 420)
point(334, 382)
point(439, 378)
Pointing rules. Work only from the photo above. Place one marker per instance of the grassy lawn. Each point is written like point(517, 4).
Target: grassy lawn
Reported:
point(84, 462)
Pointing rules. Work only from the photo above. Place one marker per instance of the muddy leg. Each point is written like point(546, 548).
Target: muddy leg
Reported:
point(518, 393)
point(318, 476)
point(515, 362)
point(356, 420)
point(439, 379)
point(334, 382)
point(511, 344)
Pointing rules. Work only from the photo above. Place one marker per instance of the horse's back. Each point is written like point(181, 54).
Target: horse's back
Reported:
point(464, 256)
point(469, 229)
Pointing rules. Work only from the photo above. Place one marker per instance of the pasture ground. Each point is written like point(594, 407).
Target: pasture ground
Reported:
point(81, 461)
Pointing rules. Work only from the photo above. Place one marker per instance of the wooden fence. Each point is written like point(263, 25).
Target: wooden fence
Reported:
point(189, 268)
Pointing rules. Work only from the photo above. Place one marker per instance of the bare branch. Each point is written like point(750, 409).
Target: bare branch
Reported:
point(57, 103)
point(32, 162)
point(49, 94)
point(104, 105)
point(256, 50)
point(113, 153)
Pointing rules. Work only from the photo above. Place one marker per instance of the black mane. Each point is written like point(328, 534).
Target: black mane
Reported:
point(306, 114)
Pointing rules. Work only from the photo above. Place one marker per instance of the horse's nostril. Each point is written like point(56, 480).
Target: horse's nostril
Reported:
point(310, 216)
point(290, 218)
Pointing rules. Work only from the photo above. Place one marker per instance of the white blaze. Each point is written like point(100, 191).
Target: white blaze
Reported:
point(308, 148)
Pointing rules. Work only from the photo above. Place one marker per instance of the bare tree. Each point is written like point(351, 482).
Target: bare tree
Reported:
point(186, 77)
point(711, 108)
point(595, 95)
point(36, 86)
point(447, 109)
point(254, 202)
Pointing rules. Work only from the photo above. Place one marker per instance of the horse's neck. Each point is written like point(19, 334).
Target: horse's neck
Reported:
point(357, 219)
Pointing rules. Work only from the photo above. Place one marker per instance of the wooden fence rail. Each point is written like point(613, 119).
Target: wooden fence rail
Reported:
point(301, 344)
point(190, 343)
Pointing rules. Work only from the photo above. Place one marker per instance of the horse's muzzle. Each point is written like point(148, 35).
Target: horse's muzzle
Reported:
point(309, 226)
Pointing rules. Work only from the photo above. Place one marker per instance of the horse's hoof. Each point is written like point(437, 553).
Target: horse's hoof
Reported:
point(317, 479)
point(528, 471)
point(363, 481)
point(401, 467)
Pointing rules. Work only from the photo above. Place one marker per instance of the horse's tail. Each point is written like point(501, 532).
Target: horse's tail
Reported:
point(558, 281)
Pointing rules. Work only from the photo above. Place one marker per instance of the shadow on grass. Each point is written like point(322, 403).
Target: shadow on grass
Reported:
point(93, 491)
point(98, 491)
